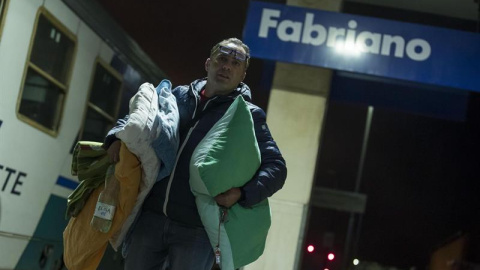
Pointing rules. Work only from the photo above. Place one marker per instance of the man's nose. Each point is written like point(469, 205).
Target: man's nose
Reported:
point(227, 66)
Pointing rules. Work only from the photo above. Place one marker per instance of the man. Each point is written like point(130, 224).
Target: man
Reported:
point(169, 230)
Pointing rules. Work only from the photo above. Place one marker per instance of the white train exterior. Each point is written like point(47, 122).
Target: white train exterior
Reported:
point(60, 81)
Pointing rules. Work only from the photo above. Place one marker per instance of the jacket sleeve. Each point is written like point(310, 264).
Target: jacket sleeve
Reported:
point(272, 173)
point(110, 138)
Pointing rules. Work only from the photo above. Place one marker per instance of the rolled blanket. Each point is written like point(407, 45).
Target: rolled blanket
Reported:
point(151, 134)
point(89, 163)
point(83, 246)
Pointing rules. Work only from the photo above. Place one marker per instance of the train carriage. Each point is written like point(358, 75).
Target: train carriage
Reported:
point(66, 73)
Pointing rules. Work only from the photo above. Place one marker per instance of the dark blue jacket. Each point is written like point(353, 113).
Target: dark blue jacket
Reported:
point(172, 196)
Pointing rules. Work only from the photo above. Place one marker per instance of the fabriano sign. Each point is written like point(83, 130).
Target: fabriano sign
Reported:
point(365, 45)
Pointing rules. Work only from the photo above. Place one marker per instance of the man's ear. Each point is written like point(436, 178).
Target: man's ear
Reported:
point(207, 64)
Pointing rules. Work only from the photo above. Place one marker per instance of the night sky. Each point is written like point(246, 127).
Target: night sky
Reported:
point(178, 35)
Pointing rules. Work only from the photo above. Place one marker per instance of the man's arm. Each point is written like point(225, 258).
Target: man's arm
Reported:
point(272, 173)
point(268, 179)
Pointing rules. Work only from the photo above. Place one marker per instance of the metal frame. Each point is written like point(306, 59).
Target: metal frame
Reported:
point(3, 12)
point(28, 64)
point(88, 104)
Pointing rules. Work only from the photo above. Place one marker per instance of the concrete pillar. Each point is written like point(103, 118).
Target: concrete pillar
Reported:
point(295, 116)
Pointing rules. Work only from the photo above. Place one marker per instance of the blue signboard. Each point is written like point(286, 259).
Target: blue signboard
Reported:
point(366, 45)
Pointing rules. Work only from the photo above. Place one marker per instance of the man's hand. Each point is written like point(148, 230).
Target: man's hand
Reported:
point(114, 151)
point(229, 197)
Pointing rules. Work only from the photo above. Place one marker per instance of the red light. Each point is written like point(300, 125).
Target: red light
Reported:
point(310, 248)
point(330, 256)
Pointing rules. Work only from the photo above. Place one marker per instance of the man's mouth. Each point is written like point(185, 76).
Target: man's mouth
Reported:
point(223, 76)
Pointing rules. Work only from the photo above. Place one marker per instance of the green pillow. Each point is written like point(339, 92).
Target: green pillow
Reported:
point(228, 156)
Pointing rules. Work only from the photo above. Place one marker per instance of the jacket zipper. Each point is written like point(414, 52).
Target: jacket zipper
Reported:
point(167, 194)
point(196, 102)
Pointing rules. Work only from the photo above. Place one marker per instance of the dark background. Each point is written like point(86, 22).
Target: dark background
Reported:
point(420, 174)
point(421, 168)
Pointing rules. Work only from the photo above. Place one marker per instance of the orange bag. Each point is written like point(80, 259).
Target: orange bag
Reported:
point(83, 246)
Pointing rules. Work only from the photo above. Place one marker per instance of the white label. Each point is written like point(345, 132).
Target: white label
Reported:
point(105, 211)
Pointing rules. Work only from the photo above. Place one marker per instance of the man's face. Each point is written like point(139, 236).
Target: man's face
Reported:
point(225, 70)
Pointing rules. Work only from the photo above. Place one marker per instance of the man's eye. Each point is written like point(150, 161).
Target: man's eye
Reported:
point(236, 63)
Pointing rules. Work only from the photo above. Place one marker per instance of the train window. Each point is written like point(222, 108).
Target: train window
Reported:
point(47, 74)
point(103, 104)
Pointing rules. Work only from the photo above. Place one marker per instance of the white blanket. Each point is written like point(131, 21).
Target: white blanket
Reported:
point(143, 127)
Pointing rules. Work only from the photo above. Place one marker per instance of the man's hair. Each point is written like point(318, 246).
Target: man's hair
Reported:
point(235, 41)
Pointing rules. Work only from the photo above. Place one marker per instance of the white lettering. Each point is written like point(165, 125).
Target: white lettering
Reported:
point(350, 40)
point(333, 34)
point(321, 32)
point(418, 56)
point(296, 29)
point(267, 22)
point(388, 40)
point(342, 39)
point(375, 40)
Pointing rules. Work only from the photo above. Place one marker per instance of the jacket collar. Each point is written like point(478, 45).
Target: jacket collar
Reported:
point(242, 89)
